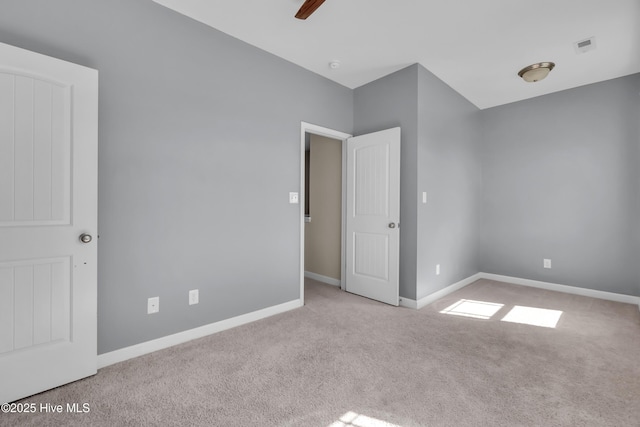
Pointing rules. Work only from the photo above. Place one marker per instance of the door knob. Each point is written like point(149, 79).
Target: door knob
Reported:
point(392, 225)
point(85, 238)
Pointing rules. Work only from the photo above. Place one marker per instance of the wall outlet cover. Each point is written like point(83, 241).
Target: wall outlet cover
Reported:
point(194, 297)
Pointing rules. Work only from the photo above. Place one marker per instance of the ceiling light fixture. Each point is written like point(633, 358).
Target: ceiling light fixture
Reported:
point(536, 72)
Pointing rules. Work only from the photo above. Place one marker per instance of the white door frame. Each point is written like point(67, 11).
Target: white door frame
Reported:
point(334, 134)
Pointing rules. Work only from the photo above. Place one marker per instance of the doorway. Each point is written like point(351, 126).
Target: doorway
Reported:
point(370, 212)
point(323, 209)
point(322, 205)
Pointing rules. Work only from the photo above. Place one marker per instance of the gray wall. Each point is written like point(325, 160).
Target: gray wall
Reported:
point(382, 104)
point(199, 145)
point(449, 171)
point(560, 181)
point(440, 139)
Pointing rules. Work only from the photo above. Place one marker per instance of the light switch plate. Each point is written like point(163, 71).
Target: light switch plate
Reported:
point(153, 305)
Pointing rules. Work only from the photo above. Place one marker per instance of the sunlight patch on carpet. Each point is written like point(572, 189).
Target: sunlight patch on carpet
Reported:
point(352, 419)
point(470, 308)
point(533, 316)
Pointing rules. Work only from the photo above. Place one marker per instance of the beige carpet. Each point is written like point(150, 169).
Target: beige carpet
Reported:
point(344, 360)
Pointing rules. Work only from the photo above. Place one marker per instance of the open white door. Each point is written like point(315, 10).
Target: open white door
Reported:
point(48, 199)
point(373, 215)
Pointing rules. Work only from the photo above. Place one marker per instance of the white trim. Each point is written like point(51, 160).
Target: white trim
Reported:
point(324, 279)
point(343, 225)
point(127, 353)
point(408, 303)
point(424, 301)
point(592, 293)
point(323, 131)
point(329, 133)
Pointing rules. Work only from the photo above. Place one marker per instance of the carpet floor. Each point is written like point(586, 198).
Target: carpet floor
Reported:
point(342, 360)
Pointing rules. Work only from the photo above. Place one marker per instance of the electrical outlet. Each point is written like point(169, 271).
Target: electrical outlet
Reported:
point(437, 269)
point(193, 297)
point(294, 198)
point(546, 263)
point(153, 305)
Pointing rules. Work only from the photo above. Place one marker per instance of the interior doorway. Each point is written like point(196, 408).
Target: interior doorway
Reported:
point(322, 205)
point(370, 212)
point(323, 209)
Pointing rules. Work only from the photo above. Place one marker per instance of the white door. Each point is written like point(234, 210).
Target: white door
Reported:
point(48, 199)
point(373, 215)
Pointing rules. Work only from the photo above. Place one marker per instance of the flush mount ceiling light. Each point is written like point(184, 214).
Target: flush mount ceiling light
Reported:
point(536, 72)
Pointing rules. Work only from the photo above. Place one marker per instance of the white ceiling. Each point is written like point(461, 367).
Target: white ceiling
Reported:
point(476, 46)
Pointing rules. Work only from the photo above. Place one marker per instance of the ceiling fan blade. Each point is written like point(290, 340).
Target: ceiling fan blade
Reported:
point(308, 8)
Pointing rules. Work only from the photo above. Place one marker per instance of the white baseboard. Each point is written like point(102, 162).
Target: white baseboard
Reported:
point(127, 353)
point(611, 296)
point(324, 279)
point(406, 302)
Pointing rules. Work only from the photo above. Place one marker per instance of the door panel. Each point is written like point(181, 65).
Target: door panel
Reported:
point(373, 203)
point(35, 303)
point(371, 254)
point(35, 186)
point(371, 163)
point(48, 197)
